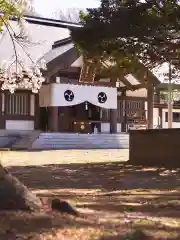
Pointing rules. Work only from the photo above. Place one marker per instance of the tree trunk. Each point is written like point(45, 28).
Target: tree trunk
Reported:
point(14, 195)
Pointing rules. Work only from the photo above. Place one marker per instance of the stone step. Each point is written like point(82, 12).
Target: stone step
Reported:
point(85, 145)
point(82, 144)
point(8, 141)
point(26, 140)
point(81, 147)
point(85, 137)
point(81, 141)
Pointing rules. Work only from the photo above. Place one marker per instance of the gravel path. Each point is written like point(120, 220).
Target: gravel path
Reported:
point(20, 158)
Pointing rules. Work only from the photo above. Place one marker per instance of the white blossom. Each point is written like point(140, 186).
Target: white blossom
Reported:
point(23, 5)
point(15, 74)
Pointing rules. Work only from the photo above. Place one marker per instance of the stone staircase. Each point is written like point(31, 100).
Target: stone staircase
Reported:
point(17, 140)
point(81, 141)
point(26, 140)
point(6, 141)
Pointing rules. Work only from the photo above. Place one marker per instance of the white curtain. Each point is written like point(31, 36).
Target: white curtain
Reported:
point(54, 95)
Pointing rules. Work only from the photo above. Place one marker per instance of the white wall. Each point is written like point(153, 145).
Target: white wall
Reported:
point(156, 118)
point(105, 127)
point(119, 127)
point(165, 124)
point(137, 93)
point(19, 125)
point(155, 115)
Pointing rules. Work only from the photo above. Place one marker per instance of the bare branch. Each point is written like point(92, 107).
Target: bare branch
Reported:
point(12, 39)
point(70, 15)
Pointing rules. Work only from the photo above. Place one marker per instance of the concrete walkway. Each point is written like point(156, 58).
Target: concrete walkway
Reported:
point(24, 158)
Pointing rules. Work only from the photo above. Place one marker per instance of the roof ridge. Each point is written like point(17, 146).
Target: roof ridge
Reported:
point(62, 42)
point(50, 22)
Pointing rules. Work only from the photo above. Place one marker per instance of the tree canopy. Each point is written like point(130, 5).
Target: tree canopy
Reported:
point(129, 30)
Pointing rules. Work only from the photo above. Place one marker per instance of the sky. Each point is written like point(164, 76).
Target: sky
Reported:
point(48, 8)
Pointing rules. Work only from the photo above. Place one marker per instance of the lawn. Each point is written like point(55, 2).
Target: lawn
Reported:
point(114, 198)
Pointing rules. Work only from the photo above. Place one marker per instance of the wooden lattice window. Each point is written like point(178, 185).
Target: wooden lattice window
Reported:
point(17, 104)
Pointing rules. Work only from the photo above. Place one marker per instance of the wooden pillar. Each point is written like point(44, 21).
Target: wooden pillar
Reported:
point(159, 108)
point(113, 112)
point(2, 109)
point(124, 117)
point(113, 120)
point(36, 112)
point(53, 121)
point(150, 105)
point(160, 117)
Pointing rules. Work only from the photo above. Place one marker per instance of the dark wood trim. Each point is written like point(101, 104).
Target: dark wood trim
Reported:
point(113, 120)
point(2, 122)
point(72, 76)
point(29, 104)
point(4, 117)
point(74, 72)
point(124, 117)
point(150, 107)
point(76, 82)
point(164, 86)
point(164, 105)
point(36, 112)
point(131, 98)
point(53, 119)
point(17, 91)
point(160, 116)
point(18, 117)
point(7, 93)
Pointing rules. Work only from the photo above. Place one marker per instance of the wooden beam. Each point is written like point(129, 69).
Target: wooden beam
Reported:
point(164, 86)
point(126, 83)
point(132, 98)
point(143, 73)
point(136, 87)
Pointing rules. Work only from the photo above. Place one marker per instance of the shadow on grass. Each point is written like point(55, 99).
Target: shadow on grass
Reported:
point(27, 226)
point(120, 237)
point(109, 190)
point(104, 176)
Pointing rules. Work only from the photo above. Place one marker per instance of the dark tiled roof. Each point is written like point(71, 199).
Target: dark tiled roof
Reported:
point(42, 35)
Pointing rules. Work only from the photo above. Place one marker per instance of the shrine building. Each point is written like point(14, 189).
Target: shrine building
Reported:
point(67, 104)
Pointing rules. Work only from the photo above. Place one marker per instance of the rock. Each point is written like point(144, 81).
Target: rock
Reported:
point(14, 195)
point(63, 207)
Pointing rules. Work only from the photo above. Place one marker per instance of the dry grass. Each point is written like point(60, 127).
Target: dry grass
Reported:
point(115, 198)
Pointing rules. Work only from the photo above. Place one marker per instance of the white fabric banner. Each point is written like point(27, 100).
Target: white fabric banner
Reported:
point(69, 95)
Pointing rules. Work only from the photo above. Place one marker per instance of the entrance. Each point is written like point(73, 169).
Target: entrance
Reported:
point(93, 115)
point(81, 118)
point(86, 118)
point(43, 122)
